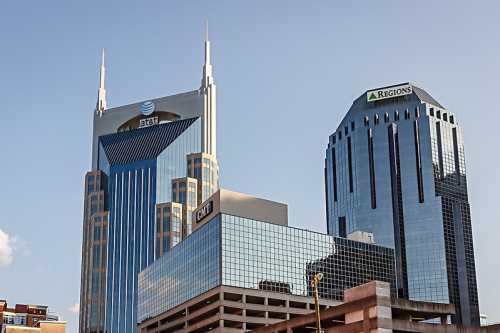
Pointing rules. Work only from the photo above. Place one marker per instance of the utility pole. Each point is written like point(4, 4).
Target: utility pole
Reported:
point(314, 284)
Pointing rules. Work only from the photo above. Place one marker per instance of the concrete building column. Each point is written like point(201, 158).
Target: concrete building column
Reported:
point(266, 307)
point(287, 306)
point(186, 314)
point(381, 309)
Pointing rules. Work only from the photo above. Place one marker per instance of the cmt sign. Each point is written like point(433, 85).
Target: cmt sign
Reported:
point(376, 95)
point(204, 211)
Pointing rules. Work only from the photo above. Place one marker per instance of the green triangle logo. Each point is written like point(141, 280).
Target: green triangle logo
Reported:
point(372, 96)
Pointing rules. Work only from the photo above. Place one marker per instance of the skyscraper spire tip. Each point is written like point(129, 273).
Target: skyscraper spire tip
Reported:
point(101, 94)
point(206, 30)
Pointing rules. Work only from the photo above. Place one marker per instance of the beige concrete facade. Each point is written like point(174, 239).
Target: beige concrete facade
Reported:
point(168, 215)
point(43, 327)
point(242, 205)
point(369, 309)
point(205, 169)
point(185, 190)
point(95, 218)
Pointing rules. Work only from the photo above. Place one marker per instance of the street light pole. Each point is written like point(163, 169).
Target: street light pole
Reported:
point(314, 283)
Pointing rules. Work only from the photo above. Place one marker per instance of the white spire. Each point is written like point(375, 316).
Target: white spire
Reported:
point(208, 91)
point(101, 94)
point(207, 66)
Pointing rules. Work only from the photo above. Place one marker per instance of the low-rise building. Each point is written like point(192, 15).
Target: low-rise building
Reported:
point(370, 308)
point(43, 326)
point(243, 268)
point(22, 315)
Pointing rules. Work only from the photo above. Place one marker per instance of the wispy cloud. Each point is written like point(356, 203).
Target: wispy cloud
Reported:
point(6, 249)
point(75, 308)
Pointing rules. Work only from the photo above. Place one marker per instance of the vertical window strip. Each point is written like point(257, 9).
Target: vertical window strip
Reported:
point(342, 227)
point(334, 171)
point(440, 150)
point(418, 162)
point(349, 162)
point(327, 196)
point(371, 163)
point(397, 211)
point(456, 154)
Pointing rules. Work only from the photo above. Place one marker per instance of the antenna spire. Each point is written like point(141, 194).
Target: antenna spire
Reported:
point(101, 93)
point(209, 103)
point(207, 46)
point(206, 30)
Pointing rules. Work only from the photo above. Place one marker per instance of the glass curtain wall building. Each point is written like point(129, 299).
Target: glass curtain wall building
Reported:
point(131, 164)
point(395, 167)
point(152, 163)
point(240, 252)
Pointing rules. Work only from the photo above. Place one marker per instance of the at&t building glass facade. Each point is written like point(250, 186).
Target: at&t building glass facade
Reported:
point(153, 162)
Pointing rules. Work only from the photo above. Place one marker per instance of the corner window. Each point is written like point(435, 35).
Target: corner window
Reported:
point(396, 115)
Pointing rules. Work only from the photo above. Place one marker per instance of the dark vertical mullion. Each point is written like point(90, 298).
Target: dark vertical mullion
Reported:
point(325, 175)
point(397, 211)
point(455, 153)
point(371, 163)
point(418, 162)
point(342, 227)
point(440, 149)
point(349, 162)
point(334, 171)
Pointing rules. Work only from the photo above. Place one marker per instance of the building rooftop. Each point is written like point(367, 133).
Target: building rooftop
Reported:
point(143, 143)
point(420, 93)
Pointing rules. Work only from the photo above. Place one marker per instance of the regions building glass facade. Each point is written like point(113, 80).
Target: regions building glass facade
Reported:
point(395, 167)
point(239, 252)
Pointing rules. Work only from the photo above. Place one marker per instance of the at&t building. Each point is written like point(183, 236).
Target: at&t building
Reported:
point(153, 163)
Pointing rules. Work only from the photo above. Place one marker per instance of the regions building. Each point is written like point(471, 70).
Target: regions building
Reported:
point(243, 268)
point(395, 167)
point(153, 163)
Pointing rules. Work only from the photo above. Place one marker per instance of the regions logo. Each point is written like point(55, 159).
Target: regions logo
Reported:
point(375, 95)
point(147, 108)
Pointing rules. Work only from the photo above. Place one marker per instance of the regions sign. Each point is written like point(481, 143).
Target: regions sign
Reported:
point(376, 95)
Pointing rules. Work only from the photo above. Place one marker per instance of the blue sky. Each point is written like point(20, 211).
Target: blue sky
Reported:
point(286, 71)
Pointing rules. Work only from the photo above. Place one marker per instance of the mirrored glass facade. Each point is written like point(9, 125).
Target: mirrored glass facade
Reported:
point(396, 168)
point(139, 166)
point(187, 270)
point(239, 252)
